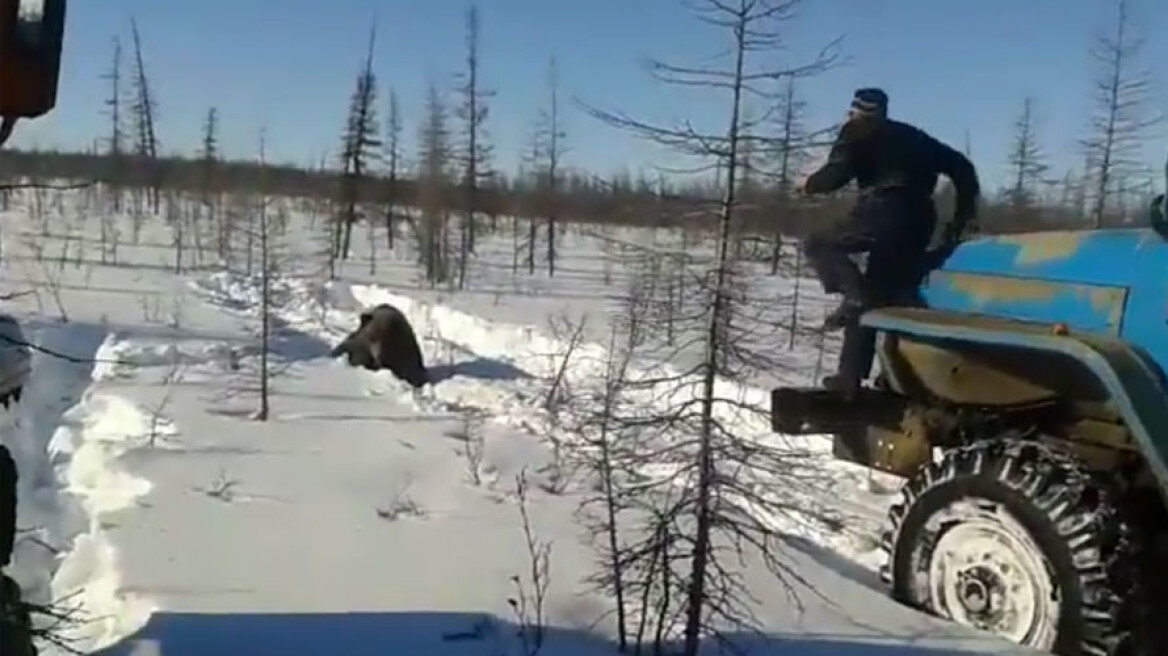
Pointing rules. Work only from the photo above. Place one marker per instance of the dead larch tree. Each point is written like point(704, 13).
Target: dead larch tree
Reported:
point(550, 136)
point(792, 141)
point(1119, 124)
point(359, 145)
point(144, 115)
point(267, 270)
point(530, 180)
point(1027, 161)
point(393, 161)
point(209, 187)
point(475, 152)
point(602, 436)
point(115, 147)
point(433, 176)
point(790, 155)
point(260, 221)
point(724, 488)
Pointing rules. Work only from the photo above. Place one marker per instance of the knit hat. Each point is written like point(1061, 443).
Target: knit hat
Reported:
point(870, 100)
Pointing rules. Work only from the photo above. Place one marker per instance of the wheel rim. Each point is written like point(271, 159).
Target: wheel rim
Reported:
point(986, 572)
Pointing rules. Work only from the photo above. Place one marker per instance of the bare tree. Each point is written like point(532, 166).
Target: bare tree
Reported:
point(326, 238)
point(714, 470)
point(209, 166)
point(605, 434)
point(1027, 160)
point(1081, 187)
point(531, 160)
point(1122, 116)
point(569, 332)
point(177, 222)
point(268, 264)
point(470, 433)
point(260, 221)
point(551, 136)
point(113, 105)
point(792, 141)
point(50, 279)
point(433, 181)
point(393, 154)
point(475, 156)
point(239, 213)
point(371, 240)
point(359, 146)
point(143, 112)
point(528, 602)
point(158, 421)
point(26, 627)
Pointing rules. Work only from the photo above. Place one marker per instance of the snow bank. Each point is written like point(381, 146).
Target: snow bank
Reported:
point(531, 349)
point(501, 370)
point(332, 311)
point(67, 438)
point(528, 349)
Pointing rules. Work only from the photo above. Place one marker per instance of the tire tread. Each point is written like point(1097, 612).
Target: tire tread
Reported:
point(1077, 506)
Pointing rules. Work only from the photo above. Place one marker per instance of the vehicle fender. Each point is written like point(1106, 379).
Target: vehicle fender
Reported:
point(1133, 383)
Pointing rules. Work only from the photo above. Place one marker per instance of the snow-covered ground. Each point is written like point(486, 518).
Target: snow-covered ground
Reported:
point(350, 522)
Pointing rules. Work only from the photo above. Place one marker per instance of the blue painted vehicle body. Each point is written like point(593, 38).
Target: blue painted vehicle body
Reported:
point(1109, 287)
point(1105, 282)
point(1129, 377)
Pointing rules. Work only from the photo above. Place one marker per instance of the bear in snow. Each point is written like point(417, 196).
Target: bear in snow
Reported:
point(385, 340)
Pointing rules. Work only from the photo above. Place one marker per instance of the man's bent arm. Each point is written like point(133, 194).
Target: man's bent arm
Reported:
point(963, 175)
point(838, 171)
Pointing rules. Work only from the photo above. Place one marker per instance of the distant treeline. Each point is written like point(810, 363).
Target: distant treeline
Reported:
point(618, 199)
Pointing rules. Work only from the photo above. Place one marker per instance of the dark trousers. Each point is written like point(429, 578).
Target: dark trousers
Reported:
point(894, 229)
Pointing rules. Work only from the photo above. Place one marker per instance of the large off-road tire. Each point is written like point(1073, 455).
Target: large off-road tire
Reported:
point(1014, 538)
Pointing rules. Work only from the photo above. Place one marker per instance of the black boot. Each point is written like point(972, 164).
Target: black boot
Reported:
point(855, 361)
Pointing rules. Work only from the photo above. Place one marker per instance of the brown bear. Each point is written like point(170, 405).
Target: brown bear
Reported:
point(385, 340)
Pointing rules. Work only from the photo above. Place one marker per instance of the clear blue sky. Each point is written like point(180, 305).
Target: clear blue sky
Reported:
point(289, 65)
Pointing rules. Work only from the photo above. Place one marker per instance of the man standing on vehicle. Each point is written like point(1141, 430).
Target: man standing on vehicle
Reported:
point(896, 166)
